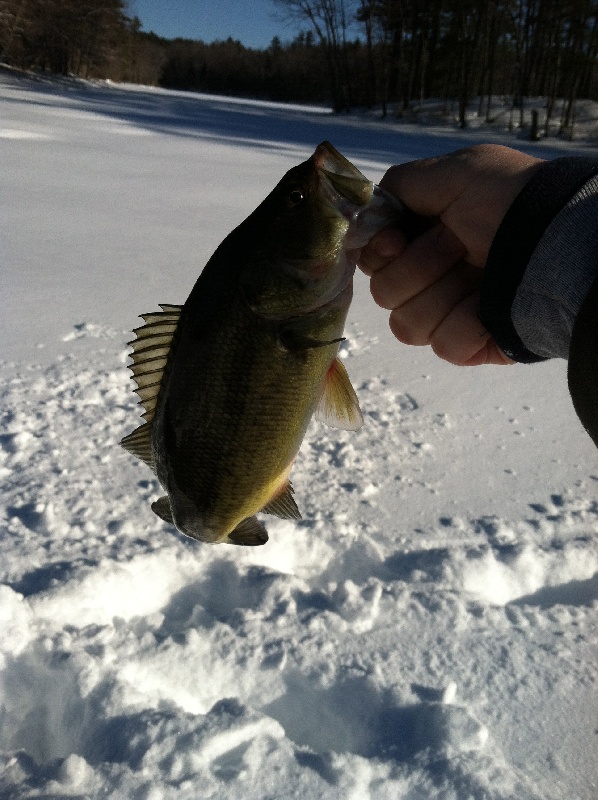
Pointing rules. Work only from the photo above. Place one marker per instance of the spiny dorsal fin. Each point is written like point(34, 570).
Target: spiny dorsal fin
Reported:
point(250, 533)
point(339, 406)
point(283, 505)
point(161, 508)
point(139, 444)
point(150, 353)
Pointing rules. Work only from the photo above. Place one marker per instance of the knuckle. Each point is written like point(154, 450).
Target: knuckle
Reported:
point(482, 149)
point(391, 174)
point(447, 349)
point(380, 292)
point(407, 333)
point(364, 262)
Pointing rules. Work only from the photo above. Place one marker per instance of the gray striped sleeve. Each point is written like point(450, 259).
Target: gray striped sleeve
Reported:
point(558, 276)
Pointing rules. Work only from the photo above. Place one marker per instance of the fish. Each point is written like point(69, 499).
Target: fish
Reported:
point(230, 380)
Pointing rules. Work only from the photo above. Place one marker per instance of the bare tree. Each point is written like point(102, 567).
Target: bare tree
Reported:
point(329, 20)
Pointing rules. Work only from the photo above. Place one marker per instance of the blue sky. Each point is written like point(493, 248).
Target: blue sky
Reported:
point(253, 22)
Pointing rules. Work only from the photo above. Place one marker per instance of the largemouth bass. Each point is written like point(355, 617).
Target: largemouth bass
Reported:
point(230, 380)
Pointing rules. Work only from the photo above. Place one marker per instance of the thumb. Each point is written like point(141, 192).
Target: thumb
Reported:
point(470, 190)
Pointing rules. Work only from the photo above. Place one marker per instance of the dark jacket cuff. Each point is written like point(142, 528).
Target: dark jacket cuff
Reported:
point(583, 363)
point(551, 187)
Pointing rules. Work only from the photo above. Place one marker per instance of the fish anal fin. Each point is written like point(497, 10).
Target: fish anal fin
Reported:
point(139, 444)
point(339, 406)
point(283, 505)
point(162, 509)
point(250, 533)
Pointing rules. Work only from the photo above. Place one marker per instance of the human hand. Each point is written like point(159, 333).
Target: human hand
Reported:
point(431, 284)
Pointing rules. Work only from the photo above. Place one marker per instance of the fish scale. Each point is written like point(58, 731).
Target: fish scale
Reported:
point(270, 396)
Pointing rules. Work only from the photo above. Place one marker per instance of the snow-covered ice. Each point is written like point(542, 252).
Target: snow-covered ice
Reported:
point(426, 632)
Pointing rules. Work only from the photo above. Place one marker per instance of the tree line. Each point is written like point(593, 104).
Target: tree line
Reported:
point(412, 50)
point(388, 54)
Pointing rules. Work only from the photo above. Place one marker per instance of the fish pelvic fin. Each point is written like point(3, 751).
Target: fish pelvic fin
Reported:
point(283, 505)
point(250, 533)
point(162, 509)
point(150, 353)
point(339, 406)
point(139, 444)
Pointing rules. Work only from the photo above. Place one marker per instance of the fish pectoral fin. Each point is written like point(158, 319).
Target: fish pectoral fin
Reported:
point(296, 335)
point(250, 533)
point(295, 343)
point(139, 444)
point(339, 406)
point(163, 510)
point(283, 505)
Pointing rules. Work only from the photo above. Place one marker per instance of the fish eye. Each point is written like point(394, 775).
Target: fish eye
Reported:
point(295, 197)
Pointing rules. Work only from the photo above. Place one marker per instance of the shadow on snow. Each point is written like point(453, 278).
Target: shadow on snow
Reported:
point(253, 123)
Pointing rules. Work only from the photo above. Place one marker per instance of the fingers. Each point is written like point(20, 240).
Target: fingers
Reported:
point(384, 246)
point(418, 265)
point(433, 295)
point(458, 337)
point(431, 283)
point(416, 320)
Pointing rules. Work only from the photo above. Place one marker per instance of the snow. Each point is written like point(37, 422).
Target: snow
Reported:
point(426, 632)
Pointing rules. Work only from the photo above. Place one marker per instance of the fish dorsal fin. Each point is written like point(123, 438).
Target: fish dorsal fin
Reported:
point(139, 444)
point(162, 509)
point(250, 533)
point(150, 353)
point(339, 406)
point(283, 505)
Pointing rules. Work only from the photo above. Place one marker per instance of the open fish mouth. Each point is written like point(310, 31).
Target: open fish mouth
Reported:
point(344, 176)
point(367, 207)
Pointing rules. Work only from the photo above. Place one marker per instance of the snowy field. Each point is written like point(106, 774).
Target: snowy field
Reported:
point(427, 632)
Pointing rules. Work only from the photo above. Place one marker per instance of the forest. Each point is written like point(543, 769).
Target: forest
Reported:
point(391, 55)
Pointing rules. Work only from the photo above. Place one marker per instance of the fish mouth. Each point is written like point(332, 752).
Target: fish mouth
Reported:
point(365, 206)
point(345, 179)
point(381, 211)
